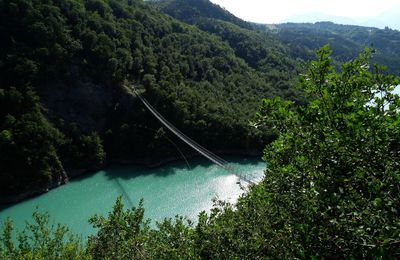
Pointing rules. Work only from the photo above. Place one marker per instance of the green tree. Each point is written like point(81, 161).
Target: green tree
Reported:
point(122, 235)
point(28, 142)
point(332, 181)
point(40, 240)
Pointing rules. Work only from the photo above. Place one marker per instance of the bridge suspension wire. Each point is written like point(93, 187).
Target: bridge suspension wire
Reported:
point(184, 137)
point(217, 160)
point(211, 156)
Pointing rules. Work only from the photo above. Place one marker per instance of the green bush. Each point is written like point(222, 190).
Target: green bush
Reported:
point(331, 189)
point(333, 177)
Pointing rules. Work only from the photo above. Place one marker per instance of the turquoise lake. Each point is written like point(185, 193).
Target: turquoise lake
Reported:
point(169, 190)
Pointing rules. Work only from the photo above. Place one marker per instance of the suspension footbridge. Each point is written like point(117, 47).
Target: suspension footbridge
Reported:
point(203, 151)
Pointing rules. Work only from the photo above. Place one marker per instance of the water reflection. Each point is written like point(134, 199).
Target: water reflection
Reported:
point(167, 191)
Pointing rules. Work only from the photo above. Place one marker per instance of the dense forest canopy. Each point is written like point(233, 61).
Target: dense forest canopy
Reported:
point(257, 48)
point(289, 41)
point(66, 67)
point(330, 189)
point(192, 10)
point(63, 69)
point(345, 40)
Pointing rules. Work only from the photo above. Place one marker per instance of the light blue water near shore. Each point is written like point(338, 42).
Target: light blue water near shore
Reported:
point(167, 191)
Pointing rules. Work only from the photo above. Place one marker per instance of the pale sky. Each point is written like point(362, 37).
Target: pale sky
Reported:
point(275, 11)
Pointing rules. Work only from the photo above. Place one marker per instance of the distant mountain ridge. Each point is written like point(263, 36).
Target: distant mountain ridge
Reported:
point(297, 40)
point(65, 104)
point(315, 17)
point(65, 66)
point(258, 49)
point(345, 40)
point(389, 18)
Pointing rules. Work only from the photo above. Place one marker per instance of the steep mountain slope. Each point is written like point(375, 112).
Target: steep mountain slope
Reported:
point(192, 10)
point(258, 49)
point(273, 48)
point(65, 68)
point(65, 106)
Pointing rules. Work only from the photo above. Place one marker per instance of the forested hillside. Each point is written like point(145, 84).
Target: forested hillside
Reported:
point(332, 144)
point(64, 104)
point(260, 50)
point(331, 189)
point(65, 65)
point(191, 11)
point(345, 40)
point(284, 44)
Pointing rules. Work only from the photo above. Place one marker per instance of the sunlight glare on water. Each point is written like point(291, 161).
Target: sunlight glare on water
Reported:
point(169, 190)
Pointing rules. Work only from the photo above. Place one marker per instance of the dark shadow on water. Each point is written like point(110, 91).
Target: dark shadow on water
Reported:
point(129, 172)
point(132, 171)
point(4, 207)
point(124, 193)
point(243, 160)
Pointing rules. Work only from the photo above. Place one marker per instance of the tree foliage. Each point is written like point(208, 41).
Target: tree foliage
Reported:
point(28, 142)
point(40, 240)
point(333, 174)
point(331, 189)
point(50, 47)
point(345, 40)
point(63, 65)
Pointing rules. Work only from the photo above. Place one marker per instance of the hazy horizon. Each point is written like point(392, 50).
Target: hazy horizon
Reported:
point(365, 13)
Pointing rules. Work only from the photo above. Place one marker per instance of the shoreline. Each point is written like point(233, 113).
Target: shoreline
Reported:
point(161, 162)
point(75, 173)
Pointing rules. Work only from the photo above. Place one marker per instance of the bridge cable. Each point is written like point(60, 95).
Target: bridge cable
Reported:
point(211, 156)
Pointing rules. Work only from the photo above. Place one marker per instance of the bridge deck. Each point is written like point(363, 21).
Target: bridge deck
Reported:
point(203, 151)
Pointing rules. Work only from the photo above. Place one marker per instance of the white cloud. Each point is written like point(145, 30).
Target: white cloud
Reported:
point(263, 11)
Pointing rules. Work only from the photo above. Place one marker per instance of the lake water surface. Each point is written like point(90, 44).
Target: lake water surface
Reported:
point(167, 191)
